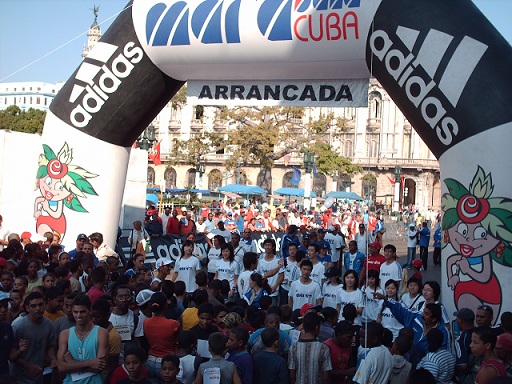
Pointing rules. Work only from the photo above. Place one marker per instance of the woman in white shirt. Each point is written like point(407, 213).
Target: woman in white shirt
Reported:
point(350, 294)
point(214, 255)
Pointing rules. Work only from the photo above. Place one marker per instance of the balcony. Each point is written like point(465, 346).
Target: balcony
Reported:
point(373, 125)
point(384, 163)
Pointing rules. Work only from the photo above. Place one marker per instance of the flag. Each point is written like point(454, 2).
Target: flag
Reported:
point(296, 176)
point(391, 180)
point(154, 154)
point(315, 172)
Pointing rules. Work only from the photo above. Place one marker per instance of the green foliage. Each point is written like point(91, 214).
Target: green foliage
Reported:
point(191, 150)
point(328, 160)
point(14, 119)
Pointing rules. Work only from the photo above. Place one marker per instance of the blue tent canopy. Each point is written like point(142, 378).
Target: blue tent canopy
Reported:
point(203, 191)
point(168, 190)
point(151, 198)
point(293, 192)
point(242, 189)
point(344, 195)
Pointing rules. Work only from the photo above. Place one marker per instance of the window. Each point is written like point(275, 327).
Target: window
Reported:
point(344, 182)
point(369, 186)
point(191, 177)
point(170, 178)
point(348, 148)
point(214, 179)
point(38, 100)
point(287, 178)
point(151, 177)
point(320, 185)
point(375, 105)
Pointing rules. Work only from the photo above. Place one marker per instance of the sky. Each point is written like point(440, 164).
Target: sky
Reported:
point(42, 40)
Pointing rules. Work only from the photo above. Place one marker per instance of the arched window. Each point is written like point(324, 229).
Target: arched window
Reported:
point(170, 178)
point(374, 105)
point(348, 148)
point(369, 186)
point(344, 182)
point(191, 177)
point(151, 177)
point(320, 184)
point(214, 179)
point(287, 180)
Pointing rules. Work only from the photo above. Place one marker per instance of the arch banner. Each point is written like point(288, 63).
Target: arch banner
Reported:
point(442, 62)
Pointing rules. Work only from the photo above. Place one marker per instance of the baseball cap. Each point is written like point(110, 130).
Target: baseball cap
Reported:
point(412, 225)
point(465, 314)
point(162, 261)
point(26, 235)
point(82, 236)
point(362, 226)
point(151, 212)
point(5, 295)
point(331, 228)
point(302, 227)
point(306, 307)
point(144, 296)
point(232, 319)
point(306, 236)
point(3, 262)
point(504, 342)
point(417, 263)
point(332, 272)
point(375, 244)
point(230, 214)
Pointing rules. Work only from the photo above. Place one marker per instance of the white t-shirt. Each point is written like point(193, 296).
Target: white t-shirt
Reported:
point(288, 274)
point(318, 273)
point(389, 322)
point(407, 302)
point(304, 293)
point(362, 241)
point(372, 306)
point(337, 244)
point(329, 293)
point(225, 233)
point(391, 271)
point(125, 325)
point(411, 243)
point(243, 282)
point(375, 366)
point(239, 255)
point(227, 270)
point(213, 256)
point(265, 266)
point(355, 297)
point(187, 269)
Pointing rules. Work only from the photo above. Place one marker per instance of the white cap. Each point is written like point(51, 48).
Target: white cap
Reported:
point(162, 261)
point(144, 296)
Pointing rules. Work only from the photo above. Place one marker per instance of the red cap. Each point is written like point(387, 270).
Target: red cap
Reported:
point(375, 244)
point(302, 227)
point(307, 307)
point(3, 262)
point(417, 263)
point(26, 235)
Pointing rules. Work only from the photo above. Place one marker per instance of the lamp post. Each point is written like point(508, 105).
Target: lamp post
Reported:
point(200, 169)
point(396, 196)
point(309, 160)
point(147, 138)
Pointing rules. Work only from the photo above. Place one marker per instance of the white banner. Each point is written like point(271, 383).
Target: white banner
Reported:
point(302, 93)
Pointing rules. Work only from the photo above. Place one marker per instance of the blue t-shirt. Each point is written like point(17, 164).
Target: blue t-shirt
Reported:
point(270, 368)
point(243, 362)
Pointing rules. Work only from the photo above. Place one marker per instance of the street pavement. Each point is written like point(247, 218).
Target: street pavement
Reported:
point(392, 236)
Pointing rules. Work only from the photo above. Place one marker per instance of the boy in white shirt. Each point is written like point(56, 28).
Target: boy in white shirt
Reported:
point(391, 269)
point(305, 290)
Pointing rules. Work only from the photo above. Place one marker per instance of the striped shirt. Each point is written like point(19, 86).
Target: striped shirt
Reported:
point(441, 364)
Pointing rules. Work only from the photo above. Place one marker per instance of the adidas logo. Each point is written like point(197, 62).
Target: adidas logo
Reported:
point(403, 67)
point(98, 81)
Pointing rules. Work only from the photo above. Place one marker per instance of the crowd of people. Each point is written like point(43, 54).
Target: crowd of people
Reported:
point(325, 306)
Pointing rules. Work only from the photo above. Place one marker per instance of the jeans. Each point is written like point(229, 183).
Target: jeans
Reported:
point(411, 255)
point(283, 296)
point(153, 369)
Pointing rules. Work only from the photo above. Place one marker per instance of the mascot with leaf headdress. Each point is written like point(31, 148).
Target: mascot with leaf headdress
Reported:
point(479, 228)
point(61, 184)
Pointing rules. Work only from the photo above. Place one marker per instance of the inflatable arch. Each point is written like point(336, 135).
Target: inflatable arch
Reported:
point(442, 62)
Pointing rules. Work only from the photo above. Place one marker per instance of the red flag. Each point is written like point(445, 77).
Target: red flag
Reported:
point(154, 154)
point(391, 180)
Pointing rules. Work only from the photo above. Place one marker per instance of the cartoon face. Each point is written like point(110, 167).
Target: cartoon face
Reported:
point(52, 189)
point(471, 240)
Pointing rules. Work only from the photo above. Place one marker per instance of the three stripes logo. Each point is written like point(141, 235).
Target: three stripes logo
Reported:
point(212, 22)
point(99, 76)
point(432, 80)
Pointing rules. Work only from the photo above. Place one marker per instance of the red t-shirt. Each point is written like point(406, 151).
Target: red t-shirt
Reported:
point(374, 262)
point(340, 357)
point(161, 334)
point(94, 294)
point(121, 373)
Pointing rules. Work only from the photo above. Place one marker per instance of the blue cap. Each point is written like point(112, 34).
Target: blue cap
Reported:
point(5, 296)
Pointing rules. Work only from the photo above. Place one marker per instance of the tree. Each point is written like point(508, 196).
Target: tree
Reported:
point(14, 119)
point(329, 161)
point(262, 135)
